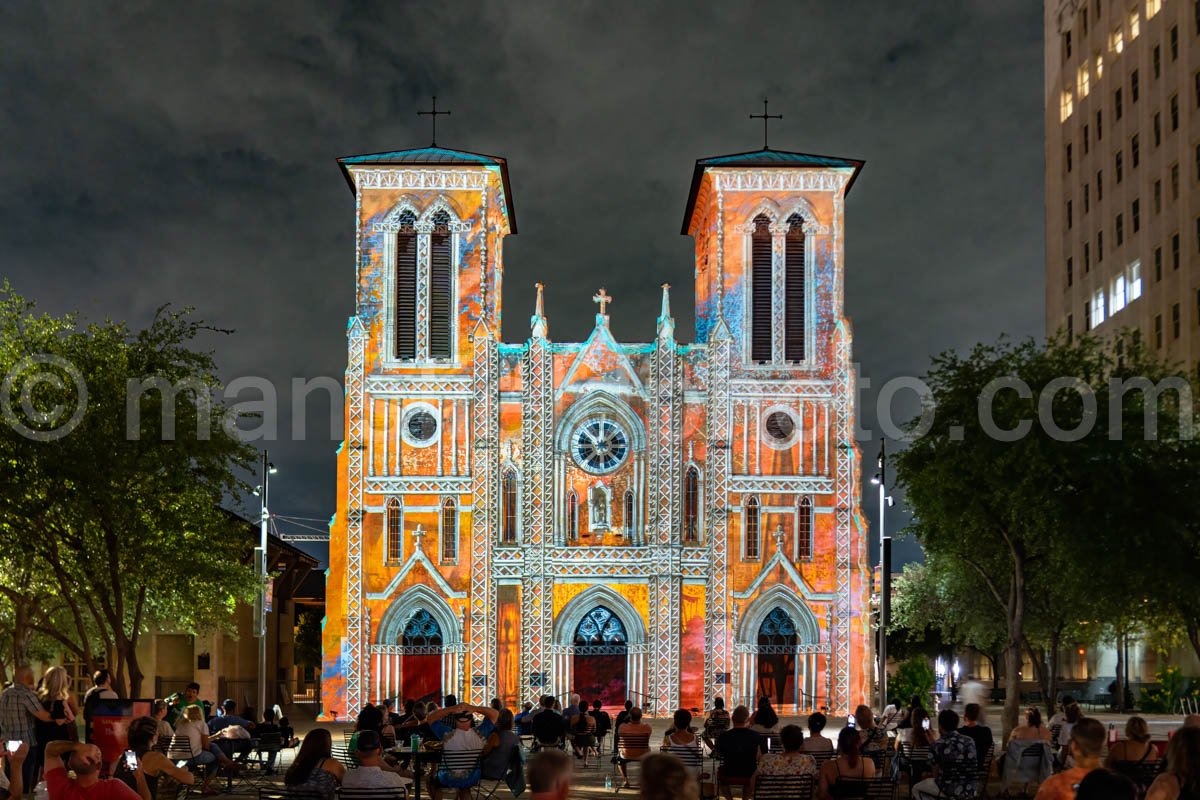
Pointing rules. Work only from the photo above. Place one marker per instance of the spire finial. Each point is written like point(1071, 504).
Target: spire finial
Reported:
point(433, 115)
point(602, 297)
point(779, 536)
point(666, 324)
point(537, 323)
point(764, 117)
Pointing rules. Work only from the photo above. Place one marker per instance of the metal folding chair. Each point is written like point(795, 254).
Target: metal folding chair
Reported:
point(783, 787)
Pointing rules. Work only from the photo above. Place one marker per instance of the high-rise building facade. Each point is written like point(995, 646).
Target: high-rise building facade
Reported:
point(660, 521)
point(1123, 171)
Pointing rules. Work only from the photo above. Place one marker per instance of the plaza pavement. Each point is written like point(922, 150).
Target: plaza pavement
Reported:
point(589, 783)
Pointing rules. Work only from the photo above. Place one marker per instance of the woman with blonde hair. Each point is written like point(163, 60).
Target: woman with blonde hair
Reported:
point(664, 777)
point(1134, 748)
point(1181, 781)
point(57, 698)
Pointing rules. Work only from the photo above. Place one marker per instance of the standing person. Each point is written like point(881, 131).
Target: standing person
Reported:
point(549, 774)
point(1181, 781)
point(84, 760)
point(954, 760)
point(315, 771)
point(56, 697)
point(739, 749)
point(665, 777)
point(19, 709)
point(100, 690)
point(1086, 745)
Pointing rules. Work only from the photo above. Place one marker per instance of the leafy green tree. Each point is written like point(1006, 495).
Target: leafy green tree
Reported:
point(121, 514)
point(1016, 478)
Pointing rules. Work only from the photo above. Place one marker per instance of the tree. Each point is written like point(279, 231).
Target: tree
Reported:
point(120, 516)
point(1018, 480)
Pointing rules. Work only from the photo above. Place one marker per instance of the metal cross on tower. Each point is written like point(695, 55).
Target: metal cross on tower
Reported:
point(433, 115)
point(764, 117)
point(603, 299)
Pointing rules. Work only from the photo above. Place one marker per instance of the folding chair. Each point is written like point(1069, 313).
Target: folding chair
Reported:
point(881, 788)
point(783, 787)
point(985, 770)
point(266, 752)
point(351, 793)
point(629, 743)
point(342, 753)
point(459, 762)
point(1142, 773)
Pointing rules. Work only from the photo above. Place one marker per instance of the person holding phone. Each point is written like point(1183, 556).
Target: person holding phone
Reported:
point(143, 733)
point(13, 755)
point(85, 761)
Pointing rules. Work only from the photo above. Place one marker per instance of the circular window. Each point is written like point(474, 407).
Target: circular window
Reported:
point(780, 428)
point(420, 427)
point(599, 446)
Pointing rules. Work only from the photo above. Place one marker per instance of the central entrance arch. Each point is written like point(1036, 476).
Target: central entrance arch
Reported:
point(421, 658)
point(777, 676)
point(599, 661)
point(599, 649)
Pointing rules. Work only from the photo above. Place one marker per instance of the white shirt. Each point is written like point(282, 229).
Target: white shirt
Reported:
point(373, 778)
point(194, 732)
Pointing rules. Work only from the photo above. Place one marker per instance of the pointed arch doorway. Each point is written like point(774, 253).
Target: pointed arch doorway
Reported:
point(777, 675)
point(599, 660)
point(421, 658)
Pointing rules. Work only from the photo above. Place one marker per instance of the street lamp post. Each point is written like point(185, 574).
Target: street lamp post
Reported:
point(885, 572)
point(260, 558)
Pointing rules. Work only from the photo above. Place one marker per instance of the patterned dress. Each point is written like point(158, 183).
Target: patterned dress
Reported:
point(787, 764)
point(955, 756)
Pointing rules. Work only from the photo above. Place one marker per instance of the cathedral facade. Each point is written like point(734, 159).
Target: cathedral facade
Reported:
point(654, 521)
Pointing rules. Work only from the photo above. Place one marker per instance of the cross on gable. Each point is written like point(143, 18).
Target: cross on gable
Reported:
point(433, 115)
point(418, 535)
point(764, 117)
point(603, 299)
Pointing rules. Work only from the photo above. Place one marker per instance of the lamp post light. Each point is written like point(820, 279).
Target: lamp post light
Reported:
point(885, 572)
point(260, 559)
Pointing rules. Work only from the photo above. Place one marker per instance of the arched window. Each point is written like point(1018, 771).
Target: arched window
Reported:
point(793, 291)
point(630, 513)
point(394, 524)
point(449, 531)
point(441, 289)
point(691, 505)
point(404, 301)
point(508, 531)
point(572, 516)
point(804, 530)
point(600, 628)
point(760, 291)
point(751, 529)
point(421, 631)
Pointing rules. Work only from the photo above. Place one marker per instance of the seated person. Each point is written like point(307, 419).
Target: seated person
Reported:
point(603, 723)
point(501, 749)
point(848, 766)
point(816, 743)
point(202, 751)
point(792, 761)
point(548, 726)
point(980, 734)
point(955, 764)
point(583, 735)
point(373, 772)
point(461, 743)
point(522, 721)
point(143, 735)
point(739, 749)
point(633, 742)
point(716, 722)
point(84, 761)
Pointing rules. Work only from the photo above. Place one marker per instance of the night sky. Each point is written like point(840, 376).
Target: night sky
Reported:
point(184, 153)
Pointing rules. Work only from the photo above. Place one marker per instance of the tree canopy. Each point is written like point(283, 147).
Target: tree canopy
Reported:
point(1040, 479)
point(115, 460)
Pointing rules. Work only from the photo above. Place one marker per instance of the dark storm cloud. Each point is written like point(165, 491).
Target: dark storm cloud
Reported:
point(184, 153)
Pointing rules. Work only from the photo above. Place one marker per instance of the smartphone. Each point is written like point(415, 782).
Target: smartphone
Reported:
point(851, 722)
point(181, 764)
point(925, 724)
point(131, 760)
point(12, 745)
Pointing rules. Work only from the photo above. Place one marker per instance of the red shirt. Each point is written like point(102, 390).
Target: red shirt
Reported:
point(61, 787)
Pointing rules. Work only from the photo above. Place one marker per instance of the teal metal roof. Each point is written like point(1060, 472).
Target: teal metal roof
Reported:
point(781, 159)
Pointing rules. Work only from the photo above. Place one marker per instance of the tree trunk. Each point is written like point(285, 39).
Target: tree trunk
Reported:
point(994, 660)
point(1193, 630)
point(1052, 693)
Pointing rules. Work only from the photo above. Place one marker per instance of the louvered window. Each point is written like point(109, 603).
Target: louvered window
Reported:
point(751, 529)
point(508, 534)
point(804, 531)
point(793, 292)
point(691, 506)
point(395, 531)
point(441, 289)
point(572, 517)
point(760, 291)
point(449, 531)
point(405, 302)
